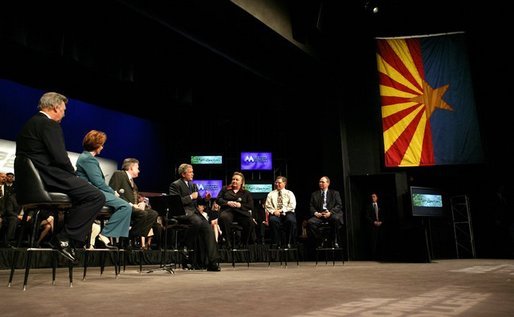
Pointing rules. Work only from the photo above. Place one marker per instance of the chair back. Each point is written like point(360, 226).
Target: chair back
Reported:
point(30, 190)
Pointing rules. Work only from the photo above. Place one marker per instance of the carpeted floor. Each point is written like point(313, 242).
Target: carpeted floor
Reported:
point(471, 287)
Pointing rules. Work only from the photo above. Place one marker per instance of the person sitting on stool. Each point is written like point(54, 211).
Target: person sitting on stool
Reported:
point(325, 206)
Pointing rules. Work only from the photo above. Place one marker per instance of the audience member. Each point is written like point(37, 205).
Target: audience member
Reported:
point(281, 205)
point(374, 217)
point(325, 206)
point(89, 169)
point(41, 139)
point(236, 204)
point(200, 230)
point(212, 215)
point(123, 183)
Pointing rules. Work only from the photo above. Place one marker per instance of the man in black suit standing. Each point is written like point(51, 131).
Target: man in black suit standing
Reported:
point(325, 205)
point(200, 230)
point(41, 140)
point(374, 217)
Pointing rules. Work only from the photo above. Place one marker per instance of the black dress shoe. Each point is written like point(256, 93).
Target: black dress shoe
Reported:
point(62, 244)
point(99, 243)
point(213, 268)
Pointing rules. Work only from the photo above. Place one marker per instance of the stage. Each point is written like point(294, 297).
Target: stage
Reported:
point(470, 287)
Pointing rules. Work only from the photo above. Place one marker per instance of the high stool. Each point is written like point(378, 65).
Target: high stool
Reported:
point(334, 248)
point(32, 196)
point(114, 254)
point(245, 252)
point(178, 254)
point(283, 253)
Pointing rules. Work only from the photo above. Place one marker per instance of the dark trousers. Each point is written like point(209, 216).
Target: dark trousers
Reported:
point(228, 216)
point(286, 224)
point(201, 234)
point(87, 201)
point(142, 222)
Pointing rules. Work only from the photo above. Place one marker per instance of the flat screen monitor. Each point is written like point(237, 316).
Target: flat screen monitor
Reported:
point(206, 159)
point(256, 161)
point(212, 186)
point(427, 202)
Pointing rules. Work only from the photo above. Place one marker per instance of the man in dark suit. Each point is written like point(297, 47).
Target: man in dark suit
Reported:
point(374, 217)
point(123, 182)
point(41, 140)
point(9, 210)
point(200, 230)
point(325, 205)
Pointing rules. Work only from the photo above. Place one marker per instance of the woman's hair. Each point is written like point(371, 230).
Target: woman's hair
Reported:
point(93, 140)
point(243, 183)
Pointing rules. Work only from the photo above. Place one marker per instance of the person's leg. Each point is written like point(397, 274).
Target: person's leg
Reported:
point(313, 228)
point(225, 221)
point(274, 225)
point(290, 226)
point(119, 221)
point(95, 231)
point(87, 201)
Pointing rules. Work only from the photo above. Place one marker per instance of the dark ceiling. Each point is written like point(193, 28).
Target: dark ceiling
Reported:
point(131, 52)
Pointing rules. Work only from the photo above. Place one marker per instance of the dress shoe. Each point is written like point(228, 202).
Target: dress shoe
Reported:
point(213, 267)
point(102, 244)
point(62, 244)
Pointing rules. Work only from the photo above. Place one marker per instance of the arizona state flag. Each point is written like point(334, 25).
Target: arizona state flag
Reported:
point(428, 110)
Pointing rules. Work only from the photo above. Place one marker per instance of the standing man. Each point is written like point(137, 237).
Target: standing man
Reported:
point(374, 218)
point(280, 205)
point(123, 183)
point(200, 229)
point(41, 140)
point(325, 206)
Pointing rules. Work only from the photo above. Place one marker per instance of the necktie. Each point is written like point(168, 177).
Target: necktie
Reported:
point(375, 207)
point(134, 191)
point(1, 191)
point(323, 200)
point(279, 200)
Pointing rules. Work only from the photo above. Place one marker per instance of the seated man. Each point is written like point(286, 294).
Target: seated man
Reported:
point(281, 204)
point(123, 182)
point(325, 205)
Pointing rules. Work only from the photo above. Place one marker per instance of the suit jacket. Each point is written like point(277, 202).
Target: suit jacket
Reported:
point(41, 139)
point(120, 180)
point(370, 213)
point(334, 203)
point(89, 168)
point(179, 188)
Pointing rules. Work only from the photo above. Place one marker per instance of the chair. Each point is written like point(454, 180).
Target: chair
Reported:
point(283, 253)
point(237, 229)
point(32, 196)
point(330, 244)
point(102, 216)
point(170, 210)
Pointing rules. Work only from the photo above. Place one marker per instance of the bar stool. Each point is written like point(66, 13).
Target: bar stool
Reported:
point(236, 230)
point(32, 196)
point(334, 247)
point(114, 254)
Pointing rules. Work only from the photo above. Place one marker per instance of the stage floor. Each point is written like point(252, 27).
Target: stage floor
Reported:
point(471, 287)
